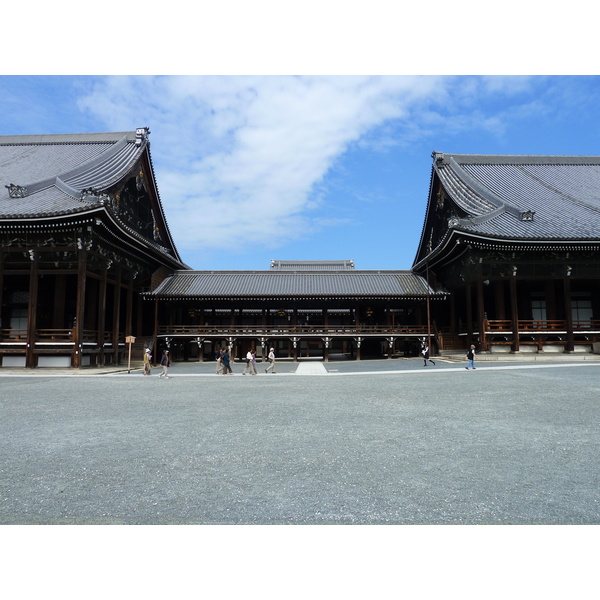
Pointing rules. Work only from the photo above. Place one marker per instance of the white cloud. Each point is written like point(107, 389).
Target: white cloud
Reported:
point(238, 158)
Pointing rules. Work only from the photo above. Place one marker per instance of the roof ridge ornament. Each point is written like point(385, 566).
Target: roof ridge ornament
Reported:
point(141, 135)
point(16, 191)
point(438, 157)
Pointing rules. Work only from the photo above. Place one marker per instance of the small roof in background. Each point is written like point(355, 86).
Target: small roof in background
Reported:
point(312, 265)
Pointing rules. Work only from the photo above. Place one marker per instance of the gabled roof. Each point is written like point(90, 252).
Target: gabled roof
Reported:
point(297, 284)
point(59, 175)
point(51, 171)
point(527, 198)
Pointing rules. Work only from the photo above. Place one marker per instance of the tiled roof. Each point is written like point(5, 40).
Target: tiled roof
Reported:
point(53, 170)
point(58, 175)
point(524, 197)
point(312, 265)
point(282, 284)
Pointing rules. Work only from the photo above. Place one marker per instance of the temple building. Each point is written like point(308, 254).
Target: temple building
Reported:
point(82, 236)
point(508, 260)
point(300, 308)
point(515, 240)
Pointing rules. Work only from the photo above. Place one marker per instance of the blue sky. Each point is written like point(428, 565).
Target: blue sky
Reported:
point(268, 165)
point(254, 168)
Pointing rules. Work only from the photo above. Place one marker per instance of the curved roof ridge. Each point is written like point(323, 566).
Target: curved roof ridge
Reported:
point(476, 185)
point(107, 157)
point(482, 191)
point(65, 138)
point(523, 159)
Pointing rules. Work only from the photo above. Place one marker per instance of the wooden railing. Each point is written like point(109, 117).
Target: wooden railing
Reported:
point(539, 325)
point(292, 330)
point(54, 335)
point(58, 336)
point(13, 335)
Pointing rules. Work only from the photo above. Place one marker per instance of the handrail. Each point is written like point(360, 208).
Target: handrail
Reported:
point(499, 325)
point(11, 335)
point(54, 335)
point(292, 330)
point(545, 324)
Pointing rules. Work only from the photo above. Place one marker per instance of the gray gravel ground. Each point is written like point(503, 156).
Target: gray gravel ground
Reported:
point(508, 444)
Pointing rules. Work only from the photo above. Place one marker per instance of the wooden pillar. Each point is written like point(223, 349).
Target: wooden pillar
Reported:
point(469, 309)
point(116, 317)
point(101, 317)
point(358, 342)
point(80, 309)
point(32, 310)
point(481, 315)
point(570, 345)
point(129, 309)
point(155, 336)
point(514, 313)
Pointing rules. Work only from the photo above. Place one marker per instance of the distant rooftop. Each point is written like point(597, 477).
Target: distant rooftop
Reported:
point(312, 265)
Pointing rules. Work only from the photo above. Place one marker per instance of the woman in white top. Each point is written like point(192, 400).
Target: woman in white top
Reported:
point(271, 359)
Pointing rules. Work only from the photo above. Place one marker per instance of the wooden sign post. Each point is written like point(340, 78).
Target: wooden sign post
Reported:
point(129, 340)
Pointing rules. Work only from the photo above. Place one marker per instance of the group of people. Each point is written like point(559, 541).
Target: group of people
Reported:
point(470, 356)
point(165, 363)
point(224, 362)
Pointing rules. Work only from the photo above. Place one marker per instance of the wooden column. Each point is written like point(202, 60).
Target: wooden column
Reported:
point(469, 315)
point(481, 316)
point(101, 317)
point(570, 345)
point(32, 311)
point(116, 317)
point(80, 309)
point(514, 313)
point(155, 336)
point(129, 309)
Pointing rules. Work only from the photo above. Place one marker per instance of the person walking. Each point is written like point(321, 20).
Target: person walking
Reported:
point(219, 361)
point(248, 363)
point(425, 353)
point(147, 362)
point(165, 363)
point(226, 366)
point(471, 357)
point(253, 362)
point(271, 359)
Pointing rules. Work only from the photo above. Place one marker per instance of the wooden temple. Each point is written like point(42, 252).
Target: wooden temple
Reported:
point(515, 240)
point(82, 235)
point(508, 259)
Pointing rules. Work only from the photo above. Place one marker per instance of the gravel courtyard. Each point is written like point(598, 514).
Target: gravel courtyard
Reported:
point(506, 444)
